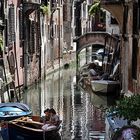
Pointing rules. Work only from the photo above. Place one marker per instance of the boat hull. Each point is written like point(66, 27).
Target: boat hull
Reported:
point(28, 130)
point(118, 128)
point(104, 86)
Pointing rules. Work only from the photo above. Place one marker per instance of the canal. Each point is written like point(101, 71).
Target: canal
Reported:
point(82, 113)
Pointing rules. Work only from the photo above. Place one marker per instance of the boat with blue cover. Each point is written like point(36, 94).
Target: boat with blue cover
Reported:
point(119, 129)
point(13, 110)
point(10, 111)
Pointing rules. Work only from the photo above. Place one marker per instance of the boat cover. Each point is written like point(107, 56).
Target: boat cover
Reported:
point(21, 106)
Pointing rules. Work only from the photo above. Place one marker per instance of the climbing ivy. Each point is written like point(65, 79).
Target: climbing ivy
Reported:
point(44, 9)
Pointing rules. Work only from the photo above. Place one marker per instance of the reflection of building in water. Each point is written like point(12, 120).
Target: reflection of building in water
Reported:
point(74, 106)
point(33, 99)
point(67, 105)
point(88, 121)
point(102, 101)
point(52, 94)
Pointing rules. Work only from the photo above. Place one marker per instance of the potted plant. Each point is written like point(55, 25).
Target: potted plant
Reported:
point(127, 108)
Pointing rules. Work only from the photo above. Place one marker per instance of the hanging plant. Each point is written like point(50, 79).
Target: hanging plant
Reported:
point(95, 8)
point(1, 42)
point(44, 9)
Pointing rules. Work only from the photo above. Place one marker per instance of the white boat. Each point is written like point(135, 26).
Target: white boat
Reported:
point(104, 86)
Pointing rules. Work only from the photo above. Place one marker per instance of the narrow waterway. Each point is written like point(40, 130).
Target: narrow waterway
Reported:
point(81, 113)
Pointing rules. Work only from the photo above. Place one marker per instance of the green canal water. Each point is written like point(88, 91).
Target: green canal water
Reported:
point(81, 113)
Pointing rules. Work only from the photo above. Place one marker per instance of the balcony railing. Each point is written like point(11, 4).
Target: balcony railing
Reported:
point(112, 1)
point(33, 1)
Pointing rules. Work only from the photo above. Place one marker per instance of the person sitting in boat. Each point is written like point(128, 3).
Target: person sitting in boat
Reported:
point(46, 118)
point(53, 123)
point(93, 75)
point(54, 119)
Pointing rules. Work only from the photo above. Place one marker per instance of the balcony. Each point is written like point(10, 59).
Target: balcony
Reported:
point(113, 6)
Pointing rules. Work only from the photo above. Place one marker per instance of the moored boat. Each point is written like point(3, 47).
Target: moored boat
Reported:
point(104, 86)
point(27, 129)
point(118, 128)
point(12, 110)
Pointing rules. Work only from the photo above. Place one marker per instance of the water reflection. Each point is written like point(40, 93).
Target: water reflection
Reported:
point(81, 118)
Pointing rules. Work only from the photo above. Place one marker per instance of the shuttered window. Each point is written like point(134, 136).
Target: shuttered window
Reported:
point(31, 48)
point(1, 10)
point(21, 24)
point(11, 32)
point(135, 41)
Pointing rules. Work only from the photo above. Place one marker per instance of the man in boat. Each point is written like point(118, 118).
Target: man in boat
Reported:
point(46, 118)
point(53, 123)
point(54, 119)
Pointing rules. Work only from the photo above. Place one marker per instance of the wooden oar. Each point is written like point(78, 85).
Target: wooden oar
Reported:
point(31, 122)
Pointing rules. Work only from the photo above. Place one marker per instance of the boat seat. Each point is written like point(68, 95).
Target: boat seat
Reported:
point(36, 118)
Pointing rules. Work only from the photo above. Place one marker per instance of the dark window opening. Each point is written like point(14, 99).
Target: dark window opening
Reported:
point(113, 20)
point(1, 10)
point(102, 16)
point(21, 61)
point(134, 58)
point(135, 19)
point(45, 2)
point(21, 24)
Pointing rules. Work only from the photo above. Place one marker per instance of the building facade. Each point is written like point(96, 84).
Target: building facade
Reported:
point(31, 42)
point(129, 23)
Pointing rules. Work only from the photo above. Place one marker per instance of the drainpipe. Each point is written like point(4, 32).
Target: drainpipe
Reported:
point(7, 87)
point(15, 55)
point(77, 64)
point(59, 43)
point(51, 39)
point(25, 50)
point(125, 51)
point(39, 35)
point(104, 52)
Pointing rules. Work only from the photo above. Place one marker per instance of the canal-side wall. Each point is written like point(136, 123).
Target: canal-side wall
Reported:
point(67, 58)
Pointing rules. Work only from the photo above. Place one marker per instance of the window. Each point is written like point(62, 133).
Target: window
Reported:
point(1, 10)
point(21, 61)
point(21, 24)
point(113, 20)
point(135, 19)
point(11, 23)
